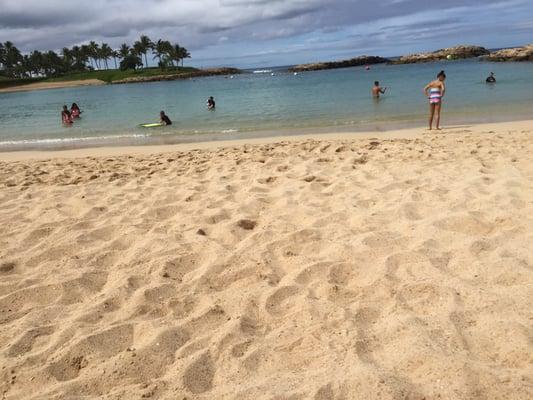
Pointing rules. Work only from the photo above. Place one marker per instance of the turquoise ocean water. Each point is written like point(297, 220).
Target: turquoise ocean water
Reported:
point(253, 105)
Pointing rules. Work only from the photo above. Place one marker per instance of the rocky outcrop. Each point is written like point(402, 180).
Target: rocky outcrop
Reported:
point(187, 75)
point(516, 54)
point(354, 62)
point(452, 53)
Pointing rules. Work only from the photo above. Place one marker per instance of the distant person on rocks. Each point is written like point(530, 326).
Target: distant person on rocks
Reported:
point(491, 78)
point(435, 91)
point(66, 117)
point(164, 119)
point(377, 90)
point(211, 103)
point(75, 111)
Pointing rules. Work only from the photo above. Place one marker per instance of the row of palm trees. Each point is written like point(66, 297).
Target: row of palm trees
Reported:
point(89, 56)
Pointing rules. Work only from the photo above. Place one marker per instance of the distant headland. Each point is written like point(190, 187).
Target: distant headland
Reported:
point(524, 53)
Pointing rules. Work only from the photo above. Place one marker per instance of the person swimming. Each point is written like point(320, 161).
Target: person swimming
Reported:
point(75, 111)
point(435, 91)
point(66, 116)
point(164, 119)
point(491, 78)
point(378, 90)
point(211, 105)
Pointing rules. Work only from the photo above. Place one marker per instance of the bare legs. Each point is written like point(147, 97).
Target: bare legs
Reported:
point(437, 111)
point(434, 112)
point(431, 114)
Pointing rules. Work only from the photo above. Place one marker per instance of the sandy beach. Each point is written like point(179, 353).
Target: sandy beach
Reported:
point(52, 85)
point(363, 266)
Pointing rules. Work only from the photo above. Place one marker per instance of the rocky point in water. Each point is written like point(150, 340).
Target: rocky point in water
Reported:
point(452, 53)
point(354, 62)
point(524, 53)
point(193, 74)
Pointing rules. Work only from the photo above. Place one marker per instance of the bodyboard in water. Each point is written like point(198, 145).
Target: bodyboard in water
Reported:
point(151, 125)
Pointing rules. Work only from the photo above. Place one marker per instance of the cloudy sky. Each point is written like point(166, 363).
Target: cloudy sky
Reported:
point(250, 33)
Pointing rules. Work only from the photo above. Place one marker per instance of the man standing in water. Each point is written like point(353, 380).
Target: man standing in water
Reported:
point(377, 90)
point(491, 78)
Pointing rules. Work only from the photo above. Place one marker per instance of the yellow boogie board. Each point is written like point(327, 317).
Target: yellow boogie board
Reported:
point(151, 125)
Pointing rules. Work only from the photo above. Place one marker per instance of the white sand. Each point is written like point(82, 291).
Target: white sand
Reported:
point(343, 268)
point(51, 85)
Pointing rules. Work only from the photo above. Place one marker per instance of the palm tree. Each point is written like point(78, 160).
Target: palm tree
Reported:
point(94, 53)
point(162, 48)
point(86, 53)
point(142, 46)
point(124, 50)
point(12, 58)
point(3, 54)
point(80, 57)
point(184, 53)
point(115, 55)
point(105, 53)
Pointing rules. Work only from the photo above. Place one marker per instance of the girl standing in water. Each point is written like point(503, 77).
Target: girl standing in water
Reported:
point(75, 111)
point(435, 91)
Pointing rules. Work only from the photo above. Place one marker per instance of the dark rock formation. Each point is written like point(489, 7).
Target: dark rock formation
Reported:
point(516, 54)
point(452, 53)
point(354, 62)
point(187, 75)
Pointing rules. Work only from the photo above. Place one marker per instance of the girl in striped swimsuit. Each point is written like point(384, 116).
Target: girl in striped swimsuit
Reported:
point(435, 92)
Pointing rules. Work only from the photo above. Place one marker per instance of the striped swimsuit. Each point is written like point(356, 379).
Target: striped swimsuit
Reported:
point(435, 96)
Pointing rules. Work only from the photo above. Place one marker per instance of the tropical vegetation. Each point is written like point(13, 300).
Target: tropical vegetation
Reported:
point(89, 57)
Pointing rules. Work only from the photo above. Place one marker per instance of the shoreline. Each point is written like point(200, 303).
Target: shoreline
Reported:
point(404, 133)
point(30, 87)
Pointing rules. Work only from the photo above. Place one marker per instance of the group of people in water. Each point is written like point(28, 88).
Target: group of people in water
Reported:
point(68, 116)
point(165, 120)
point(434, 91)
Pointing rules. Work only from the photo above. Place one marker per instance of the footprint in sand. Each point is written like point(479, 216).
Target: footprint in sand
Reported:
point(198, 376)
point(465, 224)
point(277, 304)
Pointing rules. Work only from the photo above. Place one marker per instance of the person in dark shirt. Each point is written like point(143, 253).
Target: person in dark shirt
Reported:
point(211, 103)
point(165, 120)
point(491, 78)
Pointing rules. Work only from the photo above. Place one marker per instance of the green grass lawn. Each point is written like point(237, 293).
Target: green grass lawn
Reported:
point(116, 75)
point(109, 76)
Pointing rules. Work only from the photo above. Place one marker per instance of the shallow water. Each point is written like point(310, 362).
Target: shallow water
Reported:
point(261, 104)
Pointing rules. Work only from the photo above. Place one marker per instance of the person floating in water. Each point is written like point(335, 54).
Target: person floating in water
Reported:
point(211, 103)
point(66, 117)
point(75, 111)
point(491, 78)
point(435, 91)
point(165, 120)
point(378, 90)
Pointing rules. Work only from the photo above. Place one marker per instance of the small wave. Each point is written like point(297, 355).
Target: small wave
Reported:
point(52, 141)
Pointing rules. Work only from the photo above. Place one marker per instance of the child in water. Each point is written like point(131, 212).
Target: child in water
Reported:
point(435, 91)
point(165, 120)
point(211, 103)
point(75, 111)
point(66, 116)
